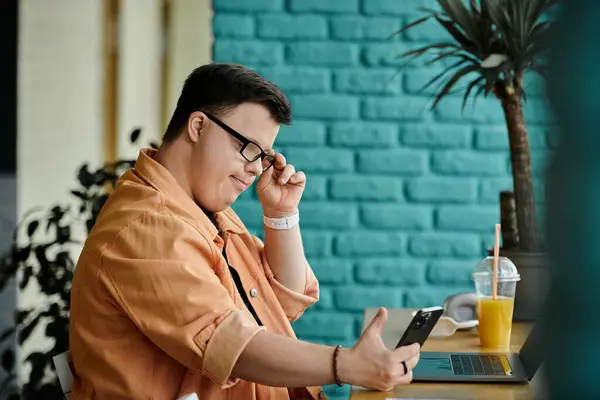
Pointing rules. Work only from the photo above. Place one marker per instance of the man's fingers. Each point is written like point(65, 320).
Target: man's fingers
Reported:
point(413, 361)
point(407, 352)
point(298, 178)
point(288, 172)
point(280, 161)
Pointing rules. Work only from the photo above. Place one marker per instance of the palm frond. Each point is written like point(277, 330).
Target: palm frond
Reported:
point(470, 87)
point(466, 70)
point(479, 29)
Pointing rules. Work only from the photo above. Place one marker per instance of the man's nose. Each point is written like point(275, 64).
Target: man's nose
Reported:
point(255, 167)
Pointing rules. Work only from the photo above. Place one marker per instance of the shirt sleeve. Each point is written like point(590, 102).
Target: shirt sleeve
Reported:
point(293, 303)
point(160, 270)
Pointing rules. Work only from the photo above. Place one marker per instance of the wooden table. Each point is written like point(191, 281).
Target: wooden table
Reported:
point(398, 320)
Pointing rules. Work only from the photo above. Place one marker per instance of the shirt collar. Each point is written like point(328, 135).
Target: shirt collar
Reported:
point(161, 179)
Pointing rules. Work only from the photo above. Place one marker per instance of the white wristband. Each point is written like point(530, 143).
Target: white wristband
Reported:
point(282, 223)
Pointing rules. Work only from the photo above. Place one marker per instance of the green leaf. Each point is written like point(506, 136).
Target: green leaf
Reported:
point(466, 70)
point(411, 25)
point(469, 89)
point(466, 44)
point(423, 50)
point(444, 72)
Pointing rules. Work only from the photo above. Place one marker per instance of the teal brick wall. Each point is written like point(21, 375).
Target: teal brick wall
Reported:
point(401, 201)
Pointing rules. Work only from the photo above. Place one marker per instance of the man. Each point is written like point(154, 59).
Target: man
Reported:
point(172, 295)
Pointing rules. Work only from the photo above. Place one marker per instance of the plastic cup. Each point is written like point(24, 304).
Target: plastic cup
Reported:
point(495, 314)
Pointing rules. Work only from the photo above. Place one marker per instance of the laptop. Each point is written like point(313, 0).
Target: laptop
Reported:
point(483, 367)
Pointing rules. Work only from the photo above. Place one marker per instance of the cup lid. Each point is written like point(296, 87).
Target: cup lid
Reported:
point(507, 271)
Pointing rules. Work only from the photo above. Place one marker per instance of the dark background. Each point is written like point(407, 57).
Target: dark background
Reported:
point(8, 85)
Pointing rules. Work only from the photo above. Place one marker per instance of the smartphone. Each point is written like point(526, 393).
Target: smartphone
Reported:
point(421, 326)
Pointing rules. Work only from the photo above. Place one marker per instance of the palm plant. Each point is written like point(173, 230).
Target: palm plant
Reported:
point(495, 42)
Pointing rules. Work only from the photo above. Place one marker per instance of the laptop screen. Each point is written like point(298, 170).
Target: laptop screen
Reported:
point(532, 352)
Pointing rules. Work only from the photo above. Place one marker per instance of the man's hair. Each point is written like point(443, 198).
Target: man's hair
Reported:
point(218, 88)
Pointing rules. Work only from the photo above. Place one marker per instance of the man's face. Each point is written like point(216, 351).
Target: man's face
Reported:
point(218, 172)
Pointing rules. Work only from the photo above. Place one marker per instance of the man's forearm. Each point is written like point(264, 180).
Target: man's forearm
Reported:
point(285, 253)
point(276, 360)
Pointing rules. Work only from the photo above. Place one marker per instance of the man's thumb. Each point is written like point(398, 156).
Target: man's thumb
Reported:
point(378, 322)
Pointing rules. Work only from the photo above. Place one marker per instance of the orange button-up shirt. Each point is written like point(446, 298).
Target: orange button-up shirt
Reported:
point(155, 313)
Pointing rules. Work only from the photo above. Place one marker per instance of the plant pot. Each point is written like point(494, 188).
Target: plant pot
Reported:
point(531, 291)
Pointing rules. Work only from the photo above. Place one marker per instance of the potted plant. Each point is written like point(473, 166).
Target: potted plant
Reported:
point(491, 45)
point(42, 254)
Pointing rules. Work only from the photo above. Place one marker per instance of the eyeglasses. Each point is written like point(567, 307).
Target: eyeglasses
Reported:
point(250, 150)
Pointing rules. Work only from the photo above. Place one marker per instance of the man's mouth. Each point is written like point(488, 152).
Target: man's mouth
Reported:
point(243, 184)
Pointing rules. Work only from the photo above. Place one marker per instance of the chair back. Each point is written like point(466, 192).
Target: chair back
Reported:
point(64, 370)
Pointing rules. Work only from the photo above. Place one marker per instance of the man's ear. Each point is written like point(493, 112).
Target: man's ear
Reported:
point(195, 126)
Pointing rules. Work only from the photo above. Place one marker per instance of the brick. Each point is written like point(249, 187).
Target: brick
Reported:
point(332, 325)
point(436, 136)
point(285, 26)
point(354, 298)
point(404, 162)
point(322, 53)
point(451, 272)
point(390, 272)
point(491, 138)
point(298, 79)
point(376, 54)
point(325, 302)
point(369, 244)
point(444, 245)
point(489, 189)
point(233, 25)
point(332, 270)
point(539, 137)
point(486, 111)
point(537, 112)
point(446, 190)
point(333, 6)
point(366, 81)
point(303, 133)
point(393, 7)
point(330, 106)
point(248, 52)
point(359, 28)
point(414, 81)
point(328, 215)
point(469, 163)
point(365, 188)
point(394, 108)
point(429, 31)
point(539, 163)
point(363, 134)
point(316, 188)
point(316, 243)
point(496, 138)
point(428, 297)
point(467, 218)
point(250, 212)
point(320, 159)
point(396, 216)
point(247, 5)
point(534, 86)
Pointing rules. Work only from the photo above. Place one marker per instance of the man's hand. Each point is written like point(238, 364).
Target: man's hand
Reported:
point(280, 189)
point(372, 365)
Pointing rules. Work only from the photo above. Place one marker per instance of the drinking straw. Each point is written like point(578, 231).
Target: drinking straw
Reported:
point(495, 270)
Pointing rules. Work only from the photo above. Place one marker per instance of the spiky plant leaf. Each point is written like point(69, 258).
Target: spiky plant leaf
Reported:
point(479, 28)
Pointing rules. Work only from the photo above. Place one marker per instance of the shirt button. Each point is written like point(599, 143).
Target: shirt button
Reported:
point(253, 292)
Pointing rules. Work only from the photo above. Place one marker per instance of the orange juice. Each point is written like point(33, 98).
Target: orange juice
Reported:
point(495, 321)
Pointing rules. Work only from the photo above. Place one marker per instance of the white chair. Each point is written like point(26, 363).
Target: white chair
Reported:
point(62, 363)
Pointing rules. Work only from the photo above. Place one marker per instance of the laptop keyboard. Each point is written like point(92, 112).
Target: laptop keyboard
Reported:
point(477, 365)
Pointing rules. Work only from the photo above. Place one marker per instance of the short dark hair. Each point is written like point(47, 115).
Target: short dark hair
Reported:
point(217, 88)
